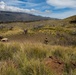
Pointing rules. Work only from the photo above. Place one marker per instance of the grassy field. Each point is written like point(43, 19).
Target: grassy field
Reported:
point(36, 59)
point(55, 33)
point(47, 48)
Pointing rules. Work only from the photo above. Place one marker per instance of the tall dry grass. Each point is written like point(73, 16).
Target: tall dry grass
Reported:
point(27, 58)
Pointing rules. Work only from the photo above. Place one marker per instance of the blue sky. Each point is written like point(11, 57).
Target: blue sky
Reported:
point(49, 8)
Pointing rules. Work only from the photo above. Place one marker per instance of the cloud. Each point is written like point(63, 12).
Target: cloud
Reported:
point(62, 15)
point(62, 3)
point(12, 2)
point(5, 7)
point(2, 5)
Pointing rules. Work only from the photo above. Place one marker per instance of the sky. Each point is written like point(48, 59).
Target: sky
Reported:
point(47, 8)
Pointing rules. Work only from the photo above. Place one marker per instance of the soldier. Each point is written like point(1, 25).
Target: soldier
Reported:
point(46, 41)
point(25, 31)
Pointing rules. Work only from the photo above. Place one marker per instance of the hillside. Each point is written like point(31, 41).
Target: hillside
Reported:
point(45, 47)
point(57, 32)
point(6, 16)
point(71, 20)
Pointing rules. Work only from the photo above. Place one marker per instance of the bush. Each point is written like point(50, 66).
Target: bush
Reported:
point(8, 68)
point(58, 53)
point(32, 66)
point(7, 52)
point(36, 53)
point(35, 67)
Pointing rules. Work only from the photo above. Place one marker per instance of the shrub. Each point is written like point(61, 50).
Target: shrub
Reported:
point(58, 53)
point(35, 67)
point(74, 72)
point(6, 51)
point(32, 66)
point(67, 69)
point(9, 69)
point(36, 53)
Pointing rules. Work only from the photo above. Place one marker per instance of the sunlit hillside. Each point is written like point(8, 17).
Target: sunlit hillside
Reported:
point(45, 47)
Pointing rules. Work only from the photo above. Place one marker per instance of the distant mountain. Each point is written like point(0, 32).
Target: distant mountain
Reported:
point(6, 16)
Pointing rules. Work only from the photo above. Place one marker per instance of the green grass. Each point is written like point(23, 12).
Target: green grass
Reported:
point(36, 53)
point(7, 52)
point(28, 58)
point(15, 60)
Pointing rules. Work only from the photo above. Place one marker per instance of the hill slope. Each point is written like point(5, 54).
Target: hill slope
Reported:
point(71, 19)
point(6, 16)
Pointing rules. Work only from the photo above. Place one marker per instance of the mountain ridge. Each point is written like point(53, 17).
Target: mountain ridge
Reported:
point(7, 16)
